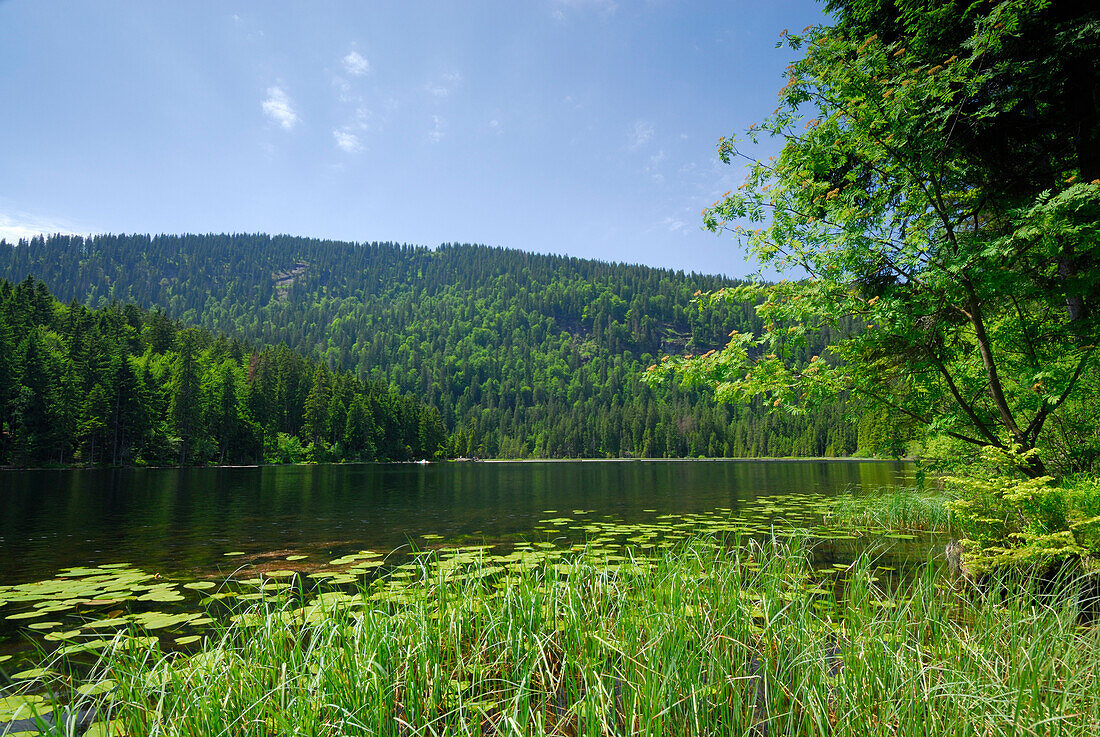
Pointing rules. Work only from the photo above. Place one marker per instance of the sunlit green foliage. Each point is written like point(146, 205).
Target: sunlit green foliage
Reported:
point(523, 354)
point(119, 385)
point(977, 296)
point(707, 639)
point(1003, 520)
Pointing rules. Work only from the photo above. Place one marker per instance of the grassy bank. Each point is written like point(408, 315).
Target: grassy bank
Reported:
point(705, 639)
point(900, 509)
point(999, 520)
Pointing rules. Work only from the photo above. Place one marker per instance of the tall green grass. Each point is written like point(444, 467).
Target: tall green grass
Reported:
point(709, 639)
point(895, 509)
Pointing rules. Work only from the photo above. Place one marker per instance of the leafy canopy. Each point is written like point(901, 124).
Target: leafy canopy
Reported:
point(975, 307)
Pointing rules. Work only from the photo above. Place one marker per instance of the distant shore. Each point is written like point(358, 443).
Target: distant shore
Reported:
point(814, 459)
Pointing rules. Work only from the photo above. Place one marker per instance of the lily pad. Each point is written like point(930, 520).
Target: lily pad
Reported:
point(31, 673)
point(26, 615)
point(106, 729)
point(199, 585)
point(106, 623)
point(44, 625)
point(88, 646)
point(95, 689)
point(20, 707)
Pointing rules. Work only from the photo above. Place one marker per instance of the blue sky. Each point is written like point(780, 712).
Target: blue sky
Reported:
point(585, 127)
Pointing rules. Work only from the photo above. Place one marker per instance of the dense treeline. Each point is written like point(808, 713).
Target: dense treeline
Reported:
point(522, 354)
point(120, 385)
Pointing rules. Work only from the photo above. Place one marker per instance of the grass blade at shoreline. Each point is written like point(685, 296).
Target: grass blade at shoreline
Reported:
point(710, 638)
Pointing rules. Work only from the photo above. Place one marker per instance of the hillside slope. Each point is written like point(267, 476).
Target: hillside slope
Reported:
point(522, 354)
point(119, 386)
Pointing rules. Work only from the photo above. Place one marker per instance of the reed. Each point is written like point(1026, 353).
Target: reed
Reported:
point(715, 637)
point(894, 509)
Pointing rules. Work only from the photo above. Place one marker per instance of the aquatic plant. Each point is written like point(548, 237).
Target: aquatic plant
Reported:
point(712, 637)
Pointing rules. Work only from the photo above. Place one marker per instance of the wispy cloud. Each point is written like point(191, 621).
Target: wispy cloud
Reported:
point(560, 7)
point(19, 225)
point(343, 89)
point(640, 135)
point(347, 141)
point(439, 129)
point(445, 85)
point(673, 224)
point(356, 64)
point(278, 107)
point(653, 168)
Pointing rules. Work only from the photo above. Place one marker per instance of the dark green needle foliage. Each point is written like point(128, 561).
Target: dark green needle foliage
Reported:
point(119, 385)
point(523, 355)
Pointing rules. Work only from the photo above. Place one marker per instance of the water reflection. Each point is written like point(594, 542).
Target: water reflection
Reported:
point(183, 520)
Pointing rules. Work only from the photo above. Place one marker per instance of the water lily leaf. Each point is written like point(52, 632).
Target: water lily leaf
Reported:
point(161, 620)
point(296, 557)
point(26, 615)
point(31, 673)
point(44, 625)
point(106, 729)
point(233, 553)
point(106, 623)
point(20, 707)
point(187, 639)
point(88, 646)
point(199, 585)
point(95, 689)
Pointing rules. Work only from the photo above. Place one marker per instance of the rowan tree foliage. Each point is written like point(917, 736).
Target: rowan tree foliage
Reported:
point(976, 293)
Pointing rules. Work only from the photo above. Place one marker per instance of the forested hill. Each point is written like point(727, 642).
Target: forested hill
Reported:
point(120, 385)
point(522, 354)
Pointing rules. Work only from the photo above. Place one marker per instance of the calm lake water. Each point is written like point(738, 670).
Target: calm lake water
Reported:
point(183, 521)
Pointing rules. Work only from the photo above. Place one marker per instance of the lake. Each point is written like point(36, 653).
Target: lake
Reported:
point(184, 521)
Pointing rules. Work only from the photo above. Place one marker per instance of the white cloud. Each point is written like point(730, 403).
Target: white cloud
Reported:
point(277, 107)
point(21, 225)
point(356, 64)
point(439, 129)
point(494, 125)
point(640, 135)
point(446, 84)
point(347, 141)
point(343, 89)
point(653, 168)
point(607, 7)
point(673, 224)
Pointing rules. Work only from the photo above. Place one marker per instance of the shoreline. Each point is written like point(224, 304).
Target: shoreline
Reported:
point(766, 459)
